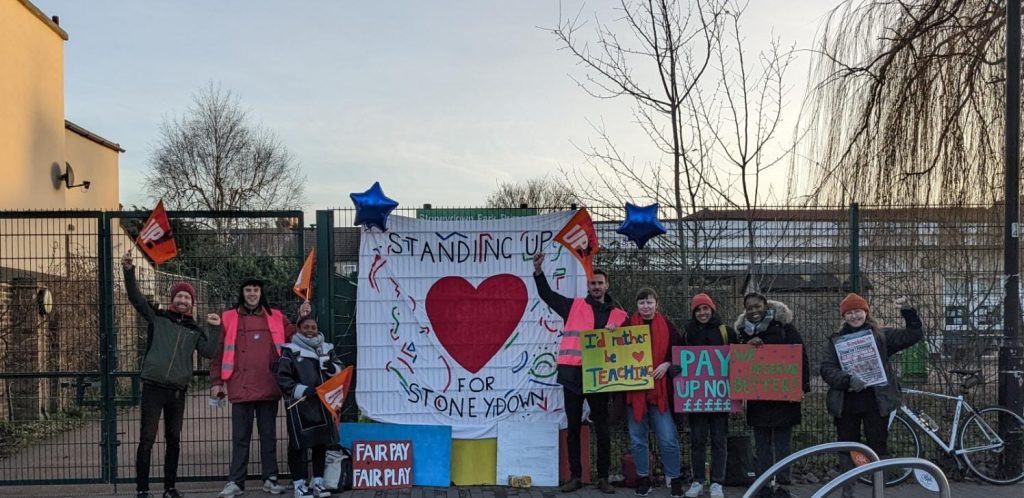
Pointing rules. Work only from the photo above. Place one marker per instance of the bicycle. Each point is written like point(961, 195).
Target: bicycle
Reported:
point(995, 456)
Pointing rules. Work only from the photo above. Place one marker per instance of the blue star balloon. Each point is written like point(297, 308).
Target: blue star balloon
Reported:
point(641, 224)
point(373, 207)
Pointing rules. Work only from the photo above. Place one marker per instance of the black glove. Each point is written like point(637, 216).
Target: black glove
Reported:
point(674, 371)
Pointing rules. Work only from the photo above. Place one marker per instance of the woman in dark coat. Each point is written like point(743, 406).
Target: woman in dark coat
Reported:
point(850, 400)
point(771, 322)
point(705, 328)
point(306, 362)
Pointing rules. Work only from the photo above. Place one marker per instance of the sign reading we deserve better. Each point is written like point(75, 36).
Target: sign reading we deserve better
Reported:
point(381, 464)
point(769, 372)
point(703, 383)
point(618, 360)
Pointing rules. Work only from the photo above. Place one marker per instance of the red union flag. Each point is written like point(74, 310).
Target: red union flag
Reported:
point(156, 239)
point(579, 237)
point(304, 283)
point(333, 392)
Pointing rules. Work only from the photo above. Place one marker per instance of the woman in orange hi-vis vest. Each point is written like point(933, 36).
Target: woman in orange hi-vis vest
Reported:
point(597, 310)
point(243, 370)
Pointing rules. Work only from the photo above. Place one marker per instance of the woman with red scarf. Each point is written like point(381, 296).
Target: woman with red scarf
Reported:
point(652, 409)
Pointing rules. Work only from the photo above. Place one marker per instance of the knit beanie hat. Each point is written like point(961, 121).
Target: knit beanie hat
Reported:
point(700, 299)
point(184, 287)
point(853, 302)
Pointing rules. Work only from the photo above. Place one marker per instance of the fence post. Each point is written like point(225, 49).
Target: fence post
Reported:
point(108, 349)
point(854, 247)
point(323, 281)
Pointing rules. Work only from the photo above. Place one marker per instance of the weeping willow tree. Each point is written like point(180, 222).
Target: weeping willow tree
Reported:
point(906, 103)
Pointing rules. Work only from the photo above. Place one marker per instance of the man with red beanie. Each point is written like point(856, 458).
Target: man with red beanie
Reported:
point(171, 337)
point(243, 369)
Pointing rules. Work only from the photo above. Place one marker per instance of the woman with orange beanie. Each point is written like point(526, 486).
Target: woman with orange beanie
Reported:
point(850, 400)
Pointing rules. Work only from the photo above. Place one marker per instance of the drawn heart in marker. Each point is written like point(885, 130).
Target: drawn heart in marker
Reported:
point(638, 356)
point(473, 324)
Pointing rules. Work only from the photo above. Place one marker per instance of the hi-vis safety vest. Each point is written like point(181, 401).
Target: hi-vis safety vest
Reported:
point(275, 320)
point(581, 317)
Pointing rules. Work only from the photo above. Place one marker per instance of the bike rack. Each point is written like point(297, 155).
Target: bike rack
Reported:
point(878, 481)
point(877, 467)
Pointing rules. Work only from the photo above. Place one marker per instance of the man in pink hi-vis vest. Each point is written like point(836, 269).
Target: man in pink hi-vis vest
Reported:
point(597, 310)
point(243, 369)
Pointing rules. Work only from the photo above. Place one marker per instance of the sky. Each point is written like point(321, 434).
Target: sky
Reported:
point(440, 101)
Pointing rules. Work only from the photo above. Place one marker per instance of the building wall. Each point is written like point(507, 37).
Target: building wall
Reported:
point(32, 99)
point(97, 164)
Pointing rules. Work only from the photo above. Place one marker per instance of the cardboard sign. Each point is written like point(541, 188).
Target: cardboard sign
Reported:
point(703, 384)
point(381, 464)
point(766, 373)
point(618, 360)
point(432, 458)
point(528, 449)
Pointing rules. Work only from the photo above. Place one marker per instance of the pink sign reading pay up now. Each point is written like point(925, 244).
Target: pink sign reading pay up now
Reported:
point(702, 386)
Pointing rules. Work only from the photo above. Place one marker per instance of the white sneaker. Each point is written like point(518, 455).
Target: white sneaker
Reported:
point(716, 490)
point(319, 490)
point(695, 490)
point(272, 486)
point(230, 489)
point(301, 491)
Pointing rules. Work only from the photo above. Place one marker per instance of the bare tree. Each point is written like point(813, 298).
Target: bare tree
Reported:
point(215, 158)
point(540, 192)
point(905, 103)
point(711, 111)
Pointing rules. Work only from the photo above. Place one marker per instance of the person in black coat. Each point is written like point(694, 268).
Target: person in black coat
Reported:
point(850, 400)
point(306, 362)
point(705, 328)
point(771, 322)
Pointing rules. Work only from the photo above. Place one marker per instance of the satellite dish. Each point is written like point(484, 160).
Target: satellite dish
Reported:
point(68, 176)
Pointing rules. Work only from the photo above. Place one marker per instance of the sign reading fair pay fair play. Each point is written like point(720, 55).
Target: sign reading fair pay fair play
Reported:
point(381, 464)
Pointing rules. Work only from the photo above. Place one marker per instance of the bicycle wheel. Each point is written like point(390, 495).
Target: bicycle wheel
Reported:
point(994, 462)
point(903, 442)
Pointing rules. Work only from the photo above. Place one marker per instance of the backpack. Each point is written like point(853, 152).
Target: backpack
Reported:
point(739, 463)
point(338, 469)
point(630, 478)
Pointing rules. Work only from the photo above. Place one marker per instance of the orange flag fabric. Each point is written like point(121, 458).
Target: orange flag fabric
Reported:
point(580, 238)
point(304, 283)
point(333, 392)
point(156, 239)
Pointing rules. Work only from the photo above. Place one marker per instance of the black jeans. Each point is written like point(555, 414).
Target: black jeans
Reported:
point(862, 409)
point(299, 465)
point(772, 444)
point(717, 424)
point(599, 416)
point(170, 402)
point(242, 414)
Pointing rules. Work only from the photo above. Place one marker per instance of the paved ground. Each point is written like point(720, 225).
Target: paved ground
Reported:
point(210, 489)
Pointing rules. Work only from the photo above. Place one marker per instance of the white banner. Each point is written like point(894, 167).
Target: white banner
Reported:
point(449, 325)
point(859, 356)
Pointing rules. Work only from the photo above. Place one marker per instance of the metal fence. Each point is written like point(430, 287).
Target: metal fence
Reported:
point(71, 344)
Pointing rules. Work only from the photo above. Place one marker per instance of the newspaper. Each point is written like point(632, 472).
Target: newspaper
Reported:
point(859, 356)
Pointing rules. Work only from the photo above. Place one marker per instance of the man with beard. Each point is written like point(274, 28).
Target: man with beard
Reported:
point(597, 310)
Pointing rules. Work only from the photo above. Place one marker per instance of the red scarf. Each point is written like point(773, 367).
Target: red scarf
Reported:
point(659, 348)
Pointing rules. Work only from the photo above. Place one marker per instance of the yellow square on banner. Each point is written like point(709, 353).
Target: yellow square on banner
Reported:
point(474, 462)
point(617, 360)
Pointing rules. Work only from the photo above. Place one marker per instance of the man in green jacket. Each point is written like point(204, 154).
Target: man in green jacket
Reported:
point(171, 337)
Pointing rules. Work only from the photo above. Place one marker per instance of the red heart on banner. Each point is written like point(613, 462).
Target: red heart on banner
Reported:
point(638, 356)
point(473, 324)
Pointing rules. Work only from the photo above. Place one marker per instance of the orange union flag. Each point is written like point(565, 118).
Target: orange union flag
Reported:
point(333, 392)
point(580, 238)
point(304, 283)
point(156, 239)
